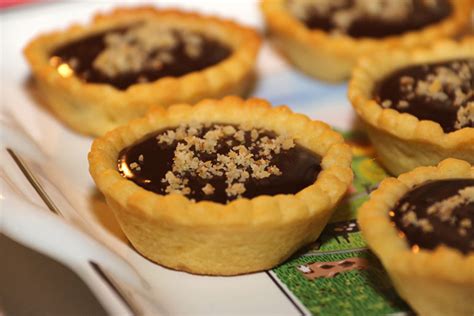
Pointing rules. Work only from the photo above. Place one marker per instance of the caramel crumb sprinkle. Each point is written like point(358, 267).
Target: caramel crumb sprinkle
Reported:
point(238, 165)
point(343, 13)
point(140, 48)
point(403, 104)
point(405, 206)
point(135, 166)
point(208, 189)
point(386, 104)
point(451, 82)
point(462, 231)
point(425, 225)
point(409, 218)
point(235, 189)
point(465, 223)
point(465, 115)
point(443, 209)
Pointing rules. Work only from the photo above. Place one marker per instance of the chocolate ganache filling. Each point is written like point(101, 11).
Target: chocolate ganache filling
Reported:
point(140, 53)
point(437, 213)
point(442, 92)
point(219, 162)
point(369, 18)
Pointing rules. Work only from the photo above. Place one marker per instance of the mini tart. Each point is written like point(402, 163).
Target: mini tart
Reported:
point(93, 108)
point(434, 282)
point(244, 235)
point(401, 140)
point(329, 56)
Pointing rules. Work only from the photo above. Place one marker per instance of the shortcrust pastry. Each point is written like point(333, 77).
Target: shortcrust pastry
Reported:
point(421, 226)
point(99, 76)
point(222, 188)
point(324, 38)
point(418, 106)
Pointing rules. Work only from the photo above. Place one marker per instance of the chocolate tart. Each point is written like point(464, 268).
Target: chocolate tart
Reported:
point(325, 38)
point(99, 76)
point(417, 105)
point(229, 208)
point(421, 226)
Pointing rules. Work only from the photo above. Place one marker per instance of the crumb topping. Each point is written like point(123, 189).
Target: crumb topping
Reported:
point(140, 52)
point(147, 46)
point(343, 13)
point(410, 218)
point(135, 166)
point(197, 154)
point(450, 84)
point(443, 211)
point(208, 189)
point(219, 162)
point(465, 116)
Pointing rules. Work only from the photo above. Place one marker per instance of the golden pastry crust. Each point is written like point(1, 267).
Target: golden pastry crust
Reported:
point(243, 236)
point(401, 140)
point(331, 58)
point(433, 282)
point(96, 108)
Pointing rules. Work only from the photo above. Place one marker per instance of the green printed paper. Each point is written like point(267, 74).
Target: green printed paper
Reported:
point(337, 274)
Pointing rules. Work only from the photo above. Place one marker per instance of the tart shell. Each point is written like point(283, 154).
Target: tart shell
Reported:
point(96, 108)
point(331, 58)
point(433, 282)
point(402, 141)
point(243, 236)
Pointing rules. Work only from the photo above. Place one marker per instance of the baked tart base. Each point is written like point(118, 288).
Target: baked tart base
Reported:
point(330, 57)
point(401, 140)
point(244, 235)
point(433, 282)
point(93, 109)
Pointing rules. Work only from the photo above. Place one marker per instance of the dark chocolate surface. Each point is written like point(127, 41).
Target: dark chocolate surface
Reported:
point(445, 232)
point(440, 111)
point(87, 49)
point(298, 165)
point(368, 26)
